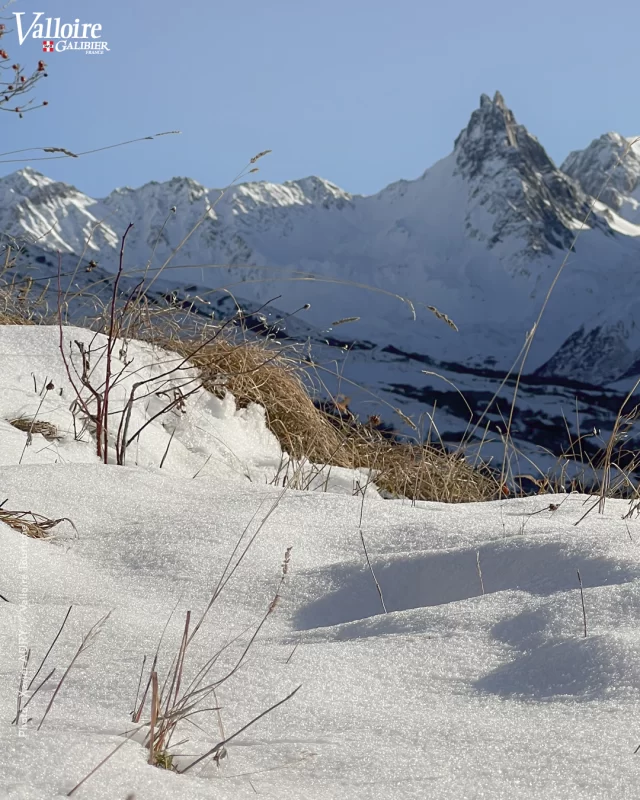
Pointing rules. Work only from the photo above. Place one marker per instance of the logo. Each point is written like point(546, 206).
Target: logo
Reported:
point(58, 36)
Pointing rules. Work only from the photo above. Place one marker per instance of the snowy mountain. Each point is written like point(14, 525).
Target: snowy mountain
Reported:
point(609, 169)
point(479, 236)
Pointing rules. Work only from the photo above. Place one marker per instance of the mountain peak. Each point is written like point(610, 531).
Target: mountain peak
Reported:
point(25, 179)
point(494, 124)
point(513, 177)
point(609, 169)
point(497, 102)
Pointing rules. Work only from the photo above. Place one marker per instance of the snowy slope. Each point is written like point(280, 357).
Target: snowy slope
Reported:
point(175, 425)
point(478, 681)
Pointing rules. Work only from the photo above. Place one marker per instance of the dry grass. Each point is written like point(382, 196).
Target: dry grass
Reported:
point(271, 376)
point(255, 372)
point(28, 425)
point(35, 526)
point(424, 472)
point(9, 318)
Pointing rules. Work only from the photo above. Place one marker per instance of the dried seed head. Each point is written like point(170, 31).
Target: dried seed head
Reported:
point(443, 317)
point(344, 320)
point(260, 155)
point(287, 559)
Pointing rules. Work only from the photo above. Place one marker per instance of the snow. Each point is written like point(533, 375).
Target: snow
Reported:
point(478, 682)
point(206, 438)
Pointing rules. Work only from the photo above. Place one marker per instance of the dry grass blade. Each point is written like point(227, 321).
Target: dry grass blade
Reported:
point(103, 762)
point(441, 315)
point(86, 643)
point(214, 750)
point(373, 574)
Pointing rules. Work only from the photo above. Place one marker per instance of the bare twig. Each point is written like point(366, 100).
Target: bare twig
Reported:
point(584, 611)
point(373, 575)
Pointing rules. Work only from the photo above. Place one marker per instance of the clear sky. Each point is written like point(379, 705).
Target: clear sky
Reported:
point(361, 92)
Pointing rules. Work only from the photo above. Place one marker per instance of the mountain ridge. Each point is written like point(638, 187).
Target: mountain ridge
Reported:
point(480, 235)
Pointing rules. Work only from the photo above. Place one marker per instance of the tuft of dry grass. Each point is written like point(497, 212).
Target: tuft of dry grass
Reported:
point(424, 472)
point(12, 318)
point(257, 372)
point(35, 526)
point(271, 376)
point(28, 425)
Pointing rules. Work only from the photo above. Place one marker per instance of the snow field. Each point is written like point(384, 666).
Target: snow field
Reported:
point(478, 682)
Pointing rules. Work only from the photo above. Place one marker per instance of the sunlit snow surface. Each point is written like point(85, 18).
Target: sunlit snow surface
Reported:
point(477, 683)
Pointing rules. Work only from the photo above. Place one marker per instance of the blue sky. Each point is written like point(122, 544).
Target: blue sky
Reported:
point(361, 92)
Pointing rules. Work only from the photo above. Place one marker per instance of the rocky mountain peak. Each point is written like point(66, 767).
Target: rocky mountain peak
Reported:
point(609, 168)
point(24, 181)
point(493, 132)
point(515, 180)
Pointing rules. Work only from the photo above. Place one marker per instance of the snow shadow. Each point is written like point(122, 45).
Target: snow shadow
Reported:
point(593, 668)
point(437, 578)
point(552, 659)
